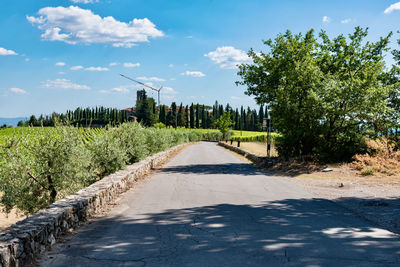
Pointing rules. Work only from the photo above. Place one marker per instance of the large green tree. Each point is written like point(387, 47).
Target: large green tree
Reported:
point(323, 95)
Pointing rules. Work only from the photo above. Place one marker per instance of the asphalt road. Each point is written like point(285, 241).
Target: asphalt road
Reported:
point(206, 207)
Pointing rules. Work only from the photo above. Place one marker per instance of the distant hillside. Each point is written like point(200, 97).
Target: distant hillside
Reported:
point(11, 121)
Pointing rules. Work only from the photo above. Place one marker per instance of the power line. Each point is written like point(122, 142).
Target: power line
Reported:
point(154, 89)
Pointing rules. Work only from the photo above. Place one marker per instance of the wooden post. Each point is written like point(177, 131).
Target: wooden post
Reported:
point(269, 138)
point(238, 144)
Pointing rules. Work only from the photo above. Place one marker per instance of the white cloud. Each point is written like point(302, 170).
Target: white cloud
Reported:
point(131, 65)
point(76, 68)
point(235, 98)
point(326, 19)
point(155, 79)
point(62, 73)
point(345, 21)
point(123, 89)
point(228, 57)
point(168, 90)
point(27, 59)
point(60, 64)
point(97, 69)
point(168, 97)
point(6, 52)
point(193, 73)
point(74, 25)
point(149, 84)
point(84, 1)
point(171, 65)
point(118, 90)
point(64, 84)
point(393, 7)
point(17, 91)
point(113, 64)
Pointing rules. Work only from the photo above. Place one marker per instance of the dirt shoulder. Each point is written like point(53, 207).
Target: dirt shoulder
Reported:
point(376, 198)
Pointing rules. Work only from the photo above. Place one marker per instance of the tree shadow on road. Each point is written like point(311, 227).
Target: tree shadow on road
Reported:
point(227, 168)
point(295, 232)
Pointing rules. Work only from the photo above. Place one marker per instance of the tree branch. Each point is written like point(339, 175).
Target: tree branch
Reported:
point(36, 180)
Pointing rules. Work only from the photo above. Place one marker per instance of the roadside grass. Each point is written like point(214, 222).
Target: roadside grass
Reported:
point(258, 148)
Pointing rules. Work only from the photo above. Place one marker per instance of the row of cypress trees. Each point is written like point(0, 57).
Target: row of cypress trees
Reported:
point(99, 116)
point(197, 116)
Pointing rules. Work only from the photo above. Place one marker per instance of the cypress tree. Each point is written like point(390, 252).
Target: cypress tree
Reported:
point(197, 116)
point(174, 116)
point(220, 110)
point(187, 116)
point(236, 119)
point(163, 116)
point(181, 116)
point(191, 116)
point(215, 110)
point(261, 114)
point(203, 117)
point(170, 118)
point(266, 115)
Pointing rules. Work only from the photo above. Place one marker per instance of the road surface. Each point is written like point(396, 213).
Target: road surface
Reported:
point(207, 207)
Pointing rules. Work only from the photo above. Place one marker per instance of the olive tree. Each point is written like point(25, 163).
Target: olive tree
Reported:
point(39, 167)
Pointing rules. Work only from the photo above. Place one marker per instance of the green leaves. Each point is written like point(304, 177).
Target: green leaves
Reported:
point(323, 94)
point(223, 123)
point(41, 165)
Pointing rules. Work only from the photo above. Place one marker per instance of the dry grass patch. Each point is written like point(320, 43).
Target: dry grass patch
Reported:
point(381, 158)
point(258, 148)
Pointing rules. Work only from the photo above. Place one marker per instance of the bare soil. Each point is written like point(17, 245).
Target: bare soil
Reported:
point(7, 220)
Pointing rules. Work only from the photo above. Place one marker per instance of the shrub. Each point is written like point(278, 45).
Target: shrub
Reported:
point(107, 153)
point(38, 167)
point(159, 125)
point(194, 136)
point(132, 137)
point(380, 156)
point(212, 136)
point(367, 171)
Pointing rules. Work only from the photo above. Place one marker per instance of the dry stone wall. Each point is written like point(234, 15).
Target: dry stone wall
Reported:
point(29, 238)
point(258, 160)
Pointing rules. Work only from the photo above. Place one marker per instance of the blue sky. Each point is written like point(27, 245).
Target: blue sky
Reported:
point(59, 55)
